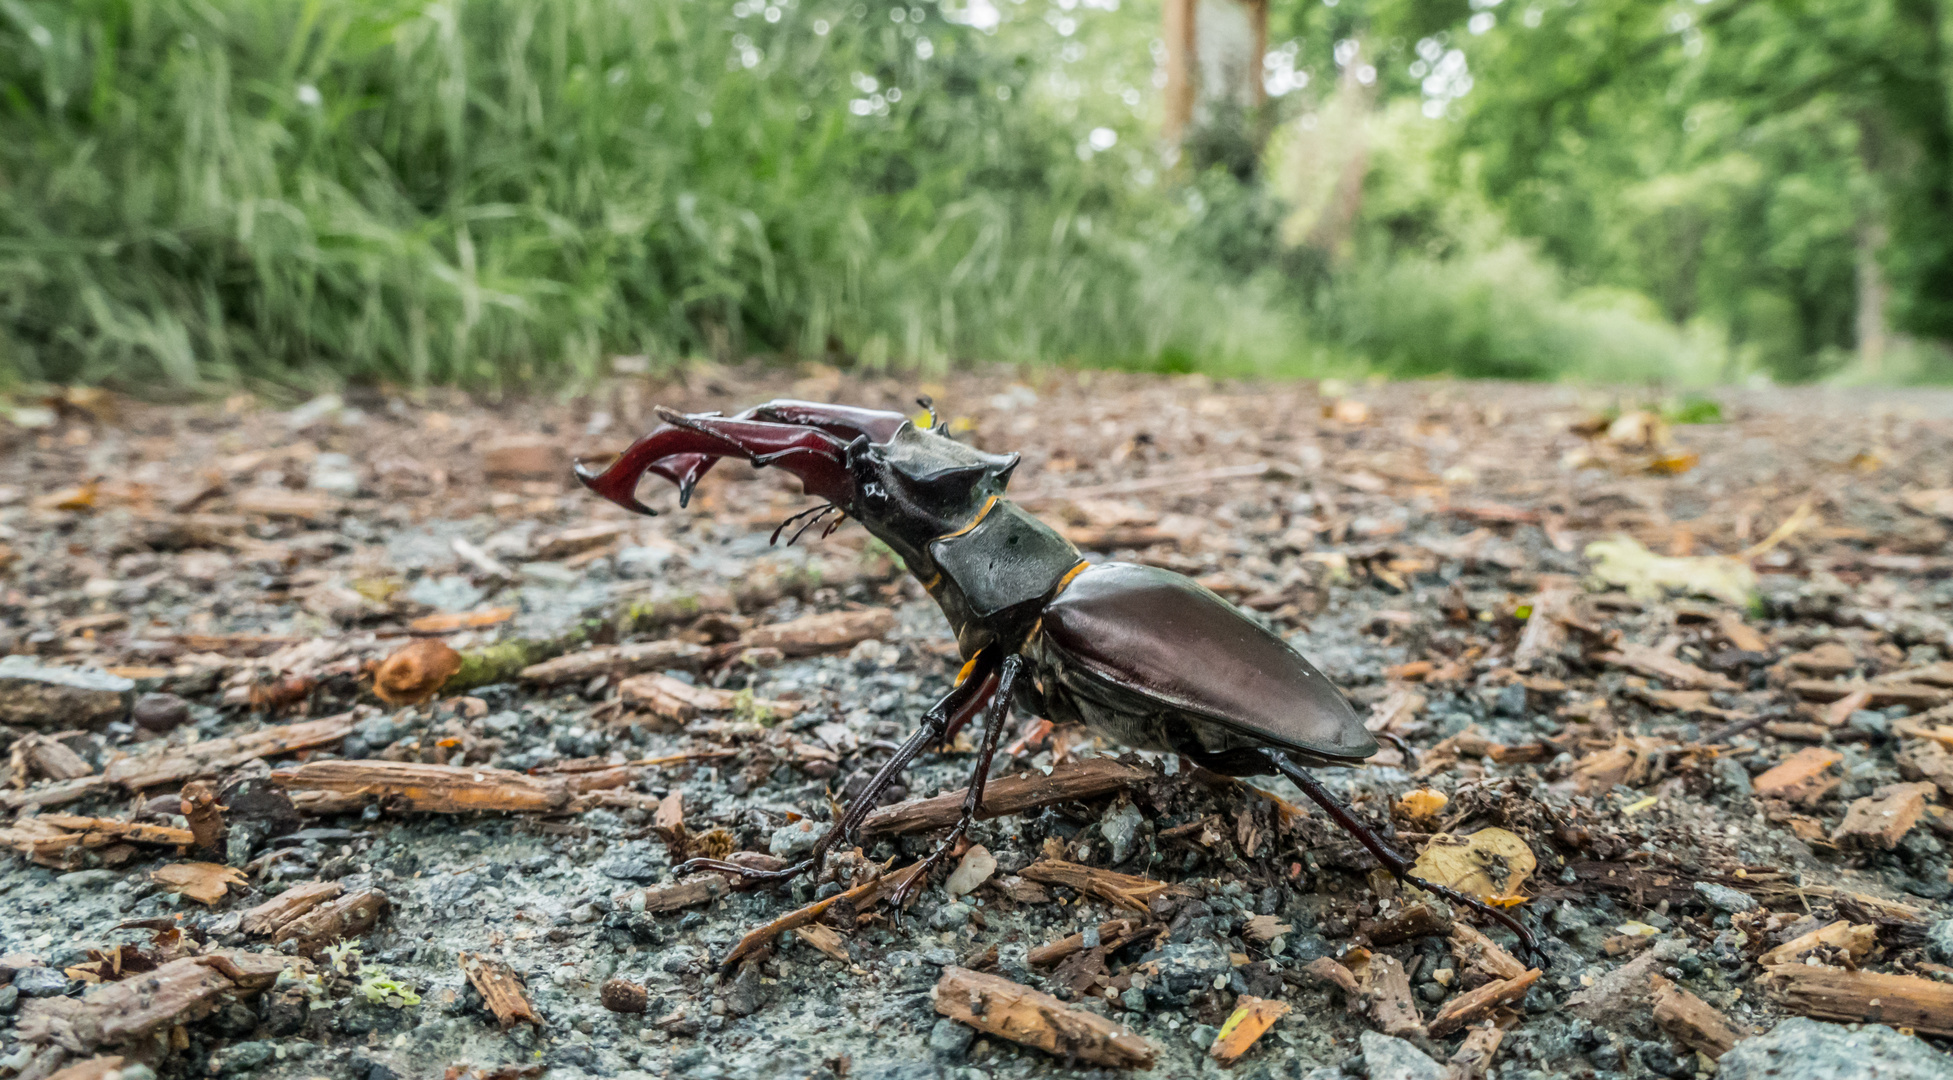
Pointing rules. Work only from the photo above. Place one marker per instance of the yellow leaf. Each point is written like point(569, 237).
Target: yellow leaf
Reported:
point(1488, 863)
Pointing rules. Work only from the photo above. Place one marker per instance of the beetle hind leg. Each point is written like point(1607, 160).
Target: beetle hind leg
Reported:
point(1398, 866)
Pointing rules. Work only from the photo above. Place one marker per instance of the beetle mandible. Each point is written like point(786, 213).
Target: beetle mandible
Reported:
point(1140, 655)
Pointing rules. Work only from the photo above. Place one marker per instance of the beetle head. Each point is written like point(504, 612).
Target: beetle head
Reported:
point(921, 484)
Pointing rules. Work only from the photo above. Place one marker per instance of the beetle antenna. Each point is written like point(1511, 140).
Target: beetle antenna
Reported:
point(819, 513)
point(1398, 866)
point(775, 538)
point(929, 405)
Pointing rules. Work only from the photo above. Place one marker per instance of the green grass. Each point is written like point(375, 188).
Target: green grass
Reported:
point(511, 190)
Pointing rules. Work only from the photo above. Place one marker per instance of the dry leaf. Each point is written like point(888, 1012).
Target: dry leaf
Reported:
point(1622, 561)
point(1489, 863)
point(204, 882)
point(416, 672)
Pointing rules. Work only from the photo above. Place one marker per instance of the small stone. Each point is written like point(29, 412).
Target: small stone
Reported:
point(1725, 898)
point(949, 1040)
point(1185, 969)
point(1511, 701)
point(951, 916)
point(584, 914)
point(1391, 1058)
point(334, 474)
point(742, 997)
point(240, 1058)
point(1431, 992)
point(975, 868)
point(624, 996)
point(793, 840)
point(41, 982)
point(1810, 1050)
point(36, 695)
point(1939, 941)
point(161, 712)
point(1120, 827)
point(9, 999)
point(1203, 1035)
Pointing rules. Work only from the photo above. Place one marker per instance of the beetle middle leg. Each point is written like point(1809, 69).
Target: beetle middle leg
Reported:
point(993, 728)
point(977, 688)
point(1398, 866)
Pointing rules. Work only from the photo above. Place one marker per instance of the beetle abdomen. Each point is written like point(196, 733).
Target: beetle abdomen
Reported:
point(1143, 653)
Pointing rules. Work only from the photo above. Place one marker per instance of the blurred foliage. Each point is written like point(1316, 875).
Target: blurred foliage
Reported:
point(493, 191)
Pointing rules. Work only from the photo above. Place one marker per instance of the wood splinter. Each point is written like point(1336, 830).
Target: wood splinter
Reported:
point(998, 1006)
point(500, 990)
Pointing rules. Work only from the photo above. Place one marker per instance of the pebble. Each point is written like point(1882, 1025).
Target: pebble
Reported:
point(334, 474)
point(1725, 898)
point(41, 982)
point(951, 916)
point(1120, 827)
point(1939, 941)
point(1810, 1050)
point(1391, 1058)
point(950, 1040)
point(1186, 969)
point(160, 712)
point(793, 840)
point(37, 695)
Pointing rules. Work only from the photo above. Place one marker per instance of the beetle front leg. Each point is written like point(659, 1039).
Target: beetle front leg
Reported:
point(993, 728)
point(1398, 866)
point(966, 697)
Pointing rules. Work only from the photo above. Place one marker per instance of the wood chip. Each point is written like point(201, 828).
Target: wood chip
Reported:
point(280, 503)
point(1386, 992)
point(267, 918)
point(1119, 890)
point(1826, 660)
point(348, 916)
point(1262, 929)
point(1084, 778)
point(447, 622)
point(583, 538)
point(182, 991)
point(1740, 635)
point(1114, 932)
point(204, 882)
point(1878, 695)
point(439, 789)
point(200, 807)
point(1417, 920)
point(1251, 1017)
point(618, 660)
point(1692, 1021)
point(859, 898)
point(211, 757)
point(1802, 778)
point(1474, 1055)
point(677, 895)
point(34, 754)
point(1329, 971)
point(1829, 993)
point(98, 1068)
point(1883, 818)
point(1000, 1007)
point(826, 939)
point(812, 635)
point(680, 701)
point(1474, 950)
point(1661, 665)
point(500, 990)
point(1475, 1005)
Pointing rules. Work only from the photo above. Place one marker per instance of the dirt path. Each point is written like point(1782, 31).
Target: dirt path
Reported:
point(1698, 773)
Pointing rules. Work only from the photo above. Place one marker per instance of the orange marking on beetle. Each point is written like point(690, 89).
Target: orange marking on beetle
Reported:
point(1069, 574)
point(968, 666)
point(974, 522)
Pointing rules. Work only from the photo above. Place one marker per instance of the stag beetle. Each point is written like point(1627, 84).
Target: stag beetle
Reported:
point(1142, 656)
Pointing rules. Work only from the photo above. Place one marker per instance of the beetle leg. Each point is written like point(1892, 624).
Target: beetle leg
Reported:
point(993, 729)
point(1398, 866)
point(966, 695)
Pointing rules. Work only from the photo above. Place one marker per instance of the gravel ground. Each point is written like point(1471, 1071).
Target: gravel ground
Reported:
point(1399, 535)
